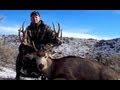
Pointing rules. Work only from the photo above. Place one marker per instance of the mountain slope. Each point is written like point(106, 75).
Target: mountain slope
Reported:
point(106, 52)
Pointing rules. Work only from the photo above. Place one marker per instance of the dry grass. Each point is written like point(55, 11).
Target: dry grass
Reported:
point(7, 56)
point(115, 62)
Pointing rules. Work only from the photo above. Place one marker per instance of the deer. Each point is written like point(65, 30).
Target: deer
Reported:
point(72, 68)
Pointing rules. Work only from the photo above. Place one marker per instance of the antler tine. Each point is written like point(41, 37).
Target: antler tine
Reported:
point(58, 30)
point(54, 28)
point(21, 38)
point(61, 35)
point(19, 35)
point(34, 46)
point(23, 31)
point(23, 27)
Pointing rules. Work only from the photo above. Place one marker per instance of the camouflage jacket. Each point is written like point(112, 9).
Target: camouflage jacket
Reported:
point(40, 34)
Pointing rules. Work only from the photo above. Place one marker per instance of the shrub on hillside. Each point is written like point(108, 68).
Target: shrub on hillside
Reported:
point(7, 55)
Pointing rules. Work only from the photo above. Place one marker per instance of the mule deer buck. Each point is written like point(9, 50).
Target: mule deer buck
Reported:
point(72, 68)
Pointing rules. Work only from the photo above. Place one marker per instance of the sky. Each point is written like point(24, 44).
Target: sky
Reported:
point(96, 24)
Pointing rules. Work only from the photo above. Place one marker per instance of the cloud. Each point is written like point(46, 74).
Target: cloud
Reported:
point(84, 33)
point(84, 36)
point(77, 35)
point(1, 18)
point(85, 29)
point(9, 29)
point(116, 11)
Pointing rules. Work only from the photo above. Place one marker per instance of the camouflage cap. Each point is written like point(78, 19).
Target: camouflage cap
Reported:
point(35, 13)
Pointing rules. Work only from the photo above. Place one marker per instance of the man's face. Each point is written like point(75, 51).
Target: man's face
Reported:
point(35, 19)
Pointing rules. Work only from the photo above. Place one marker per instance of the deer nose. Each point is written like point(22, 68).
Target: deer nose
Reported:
point(41, 66)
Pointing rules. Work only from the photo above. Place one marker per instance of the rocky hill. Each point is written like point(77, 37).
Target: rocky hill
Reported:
point(106, 52)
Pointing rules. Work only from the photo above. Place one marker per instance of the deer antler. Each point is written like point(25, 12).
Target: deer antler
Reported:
point(59, 31)
point(54, 28)
point(34, 46)
point(21, 38)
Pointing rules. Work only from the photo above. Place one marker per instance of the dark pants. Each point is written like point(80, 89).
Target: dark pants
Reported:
point(18, 65)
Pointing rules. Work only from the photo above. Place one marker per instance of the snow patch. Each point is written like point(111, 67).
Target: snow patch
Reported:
point(7, 73)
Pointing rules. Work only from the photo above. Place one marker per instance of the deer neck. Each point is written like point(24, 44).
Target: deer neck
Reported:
point(48, 70)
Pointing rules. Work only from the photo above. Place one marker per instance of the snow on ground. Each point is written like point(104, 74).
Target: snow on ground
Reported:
point(77, 47)
point(7, 73)
point(74, 47)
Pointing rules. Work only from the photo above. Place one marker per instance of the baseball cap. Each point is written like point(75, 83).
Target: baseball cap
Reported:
point(35, 13)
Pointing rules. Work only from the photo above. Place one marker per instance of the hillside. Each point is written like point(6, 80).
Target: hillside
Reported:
point(106, 52)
